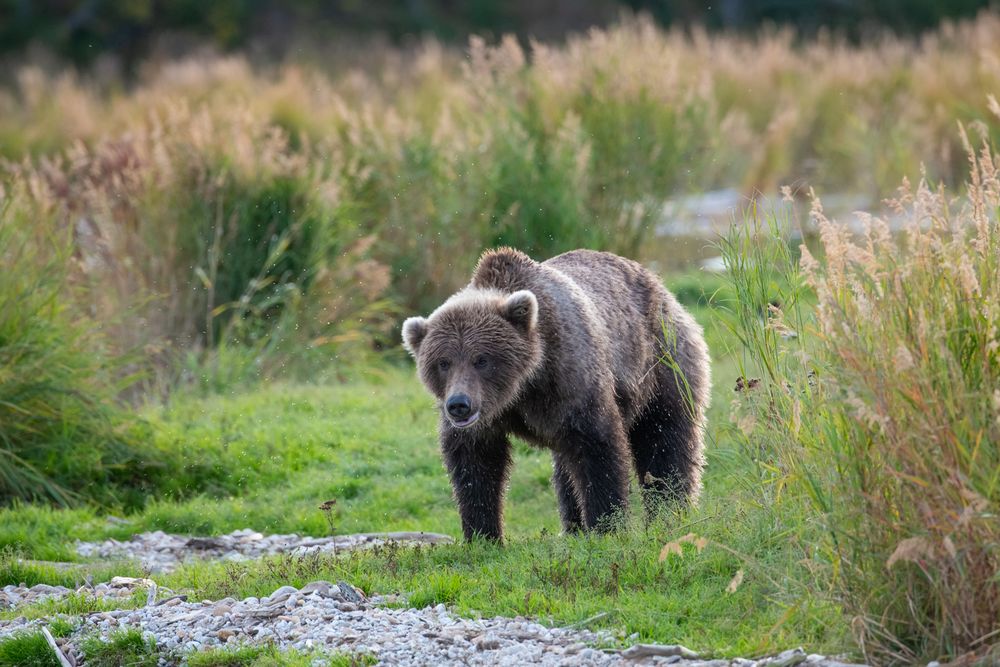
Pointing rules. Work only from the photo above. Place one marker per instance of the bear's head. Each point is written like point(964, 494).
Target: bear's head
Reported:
point(476, 352)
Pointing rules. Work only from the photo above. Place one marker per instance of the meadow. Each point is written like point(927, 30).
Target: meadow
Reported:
point(205, 270)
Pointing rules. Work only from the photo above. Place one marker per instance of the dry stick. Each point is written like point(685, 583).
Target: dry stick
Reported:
point(55, 648)
point(595, 617)
point(641, 651)
point(985, 637)
point(160, 603)
point(745, 559)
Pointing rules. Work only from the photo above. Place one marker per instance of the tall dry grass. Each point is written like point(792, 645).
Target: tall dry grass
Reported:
point(63, 438)
point(439, 152)
point(660, 110)
point(196, 230)
point(878, 405)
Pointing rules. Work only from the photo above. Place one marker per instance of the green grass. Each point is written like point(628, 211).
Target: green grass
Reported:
point(76, 604)
point(370, 444)
point(269, 656)
point(14, 569)
point(62, 627)
point(124, 647)
point(26, 649)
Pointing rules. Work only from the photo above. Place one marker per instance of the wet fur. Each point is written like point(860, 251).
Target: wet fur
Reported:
point(582, 376)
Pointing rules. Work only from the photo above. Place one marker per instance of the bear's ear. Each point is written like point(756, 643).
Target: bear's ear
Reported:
point(521, 310)
point(414, 330)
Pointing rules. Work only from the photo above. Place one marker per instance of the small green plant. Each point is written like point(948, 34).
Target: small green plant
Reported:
point(352, 660)
point(240, 656)
point(271, 656)
point(124, 647)
point(27, 649)
point(439, 588)
point(61, 627)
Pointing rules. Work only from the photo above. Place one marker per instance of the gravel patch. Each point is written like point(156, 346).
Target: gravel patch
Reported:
point(162, 552)
point(337, 617)
point(331, 617)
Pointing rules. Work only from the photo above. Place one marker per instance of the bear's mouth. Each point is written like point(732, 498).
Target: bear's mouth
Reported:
point(465, 423)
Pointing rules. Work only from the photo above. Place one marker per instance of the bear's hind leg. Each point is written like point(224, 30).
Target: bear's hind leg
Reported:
point(596, 453)
point(667, 448)
point(569, 505)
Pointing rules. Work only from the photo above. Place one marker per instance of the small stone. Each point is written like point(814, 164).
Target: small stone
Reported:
point(250, 536)
point(787, 658)
point(221, 609)
point(45, 589)
point(282, 594)
point(350, 593)
point(129, 582)
point(321, 588)
point(487, 643)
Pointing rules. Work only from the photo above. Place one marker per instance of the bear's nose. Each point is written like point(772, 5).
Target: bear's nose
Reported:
point(459, 406)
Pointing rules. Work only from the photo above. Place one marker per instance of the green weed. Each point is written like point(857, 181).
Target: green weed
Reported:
point(270, 656)
point(123, 647)
point(63, 437)
point(27, 649)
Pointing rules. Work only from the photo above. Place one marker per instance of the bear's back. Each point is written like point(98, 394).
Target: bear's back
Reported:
point(629, 302)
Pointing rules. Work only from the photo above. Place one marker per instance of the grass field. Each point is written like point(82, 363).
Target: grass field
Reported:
point(369, 443)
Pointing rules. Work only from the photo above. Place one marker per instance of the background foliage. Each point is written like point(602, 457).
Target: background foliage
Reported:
point(82, 31)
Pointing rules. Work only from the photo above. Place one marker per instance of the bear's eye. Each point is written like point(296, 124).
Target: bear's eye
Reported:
point(444, 364)
point(481, 362)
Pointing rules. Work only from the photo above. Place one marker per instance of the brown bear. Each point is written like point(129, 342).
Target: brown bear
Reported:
point(586, 354)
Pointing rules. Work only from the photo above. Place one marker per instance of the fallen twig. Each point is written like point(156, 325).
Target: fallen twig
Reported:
point(182, 598)
point(640, 651)
point(595, 617)
point(55, 648)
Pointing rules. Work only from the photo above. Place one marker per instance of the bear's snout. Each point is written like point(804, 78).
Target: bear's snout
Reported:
point(459, 407)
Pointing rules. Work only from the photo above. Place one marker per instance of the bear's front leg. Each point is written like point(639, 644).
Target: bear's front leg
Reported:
point(597, 458)
point(479, 463)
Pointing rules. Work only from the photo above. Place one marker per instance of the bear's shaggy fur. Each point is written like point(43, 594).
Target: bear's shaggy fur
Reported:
point(576, 354)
